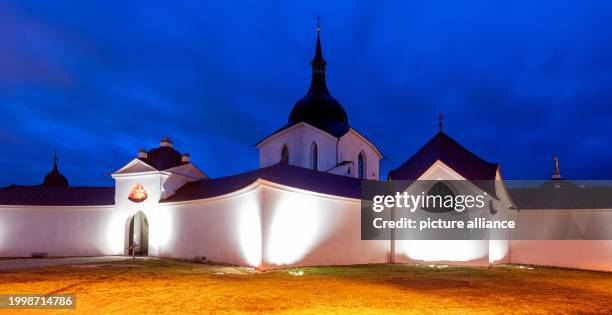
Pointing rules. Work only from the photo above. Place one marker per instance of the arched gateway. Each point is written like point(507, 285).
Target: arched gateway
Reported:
point(139, 235)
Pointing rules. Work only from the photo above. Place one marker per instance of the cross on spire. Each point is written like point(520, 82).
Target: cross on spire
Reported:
point(318, 23)
point(55, 160)
point(440, 122)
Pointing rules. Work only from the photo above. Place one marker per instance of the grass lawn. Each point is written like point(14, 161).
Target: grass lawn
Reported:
point(164, 286)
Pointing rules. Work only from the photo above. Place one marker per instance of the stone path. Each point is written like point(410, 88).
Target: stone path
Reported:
point(21, 263)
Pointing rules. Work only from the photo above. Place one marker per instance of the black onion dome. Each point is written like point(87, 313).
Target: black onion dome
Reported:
point(55, 178)
point(318, 107)
point(164, 157)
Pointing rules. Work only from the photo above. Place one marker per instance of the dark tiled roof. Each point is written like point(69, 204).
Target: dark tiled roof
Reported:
point(444, 148)
point(562, 197)
point(57, 196)
point(288, 175)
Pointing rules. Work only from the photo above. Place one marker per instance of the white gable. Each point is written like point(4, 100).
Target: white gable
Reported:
point(135, 166)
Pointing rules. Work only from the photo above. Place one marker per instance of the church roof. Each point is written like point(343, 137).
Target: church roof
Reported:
point(56, 196)
point(283, 174)
point(443, 148)
point(163, 158)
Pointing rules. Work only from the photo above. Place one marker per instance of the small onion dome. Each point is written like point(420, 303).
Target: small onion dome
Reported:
point(186, 158)
point(55, 178)
point(165, 156)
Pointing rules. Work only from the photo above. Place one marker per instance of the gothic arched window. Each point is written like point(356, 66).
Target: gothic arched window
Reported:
point(314, 156)
point(285, 155)
point(436, 195)
point(361, 165)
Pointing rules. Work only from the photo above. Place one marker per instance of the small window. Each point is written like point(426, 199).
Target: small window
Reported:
point(314, 156)
point(435, 198)
point(361, 165)
point(285, 155)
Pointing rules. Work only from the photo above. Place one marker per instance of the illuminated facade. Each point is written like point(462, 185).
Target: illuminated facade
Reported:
point(300, 208)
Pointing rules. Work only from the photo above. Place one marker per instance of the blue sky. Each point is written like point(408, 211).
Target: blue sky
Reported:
point(518, 82)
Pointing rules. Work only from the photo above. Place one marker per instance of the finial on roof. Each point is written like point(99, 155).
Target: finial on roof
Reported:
point(55, 161)
point(440, 122)
point(318, 57)
point(166, 142)
point(55, 178)
point(556, 174)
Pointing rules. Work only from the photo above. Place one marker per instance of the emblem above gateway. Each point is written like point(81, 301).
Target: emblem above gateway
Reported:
point(138, 193)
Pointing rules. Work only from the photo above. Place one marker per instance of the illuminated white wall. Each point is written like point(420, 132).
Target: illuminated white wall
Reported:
point(458, 252)
point(58, 231)
point(308, 229)
point(117, 233)
point(269, 226)
point(224, 230)
point(584, 254)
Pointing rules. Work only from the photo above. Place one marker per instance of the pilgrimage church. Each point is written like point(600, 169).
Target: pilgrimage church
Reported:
point(301, 207)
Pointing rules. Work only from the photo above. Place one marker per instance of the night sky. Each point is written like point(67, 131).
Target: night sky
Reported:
point(518, 82)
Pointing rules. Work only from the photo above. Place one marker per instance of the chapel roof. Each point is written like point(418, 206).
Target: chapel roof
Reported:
point(40, 195)
point(443, 148)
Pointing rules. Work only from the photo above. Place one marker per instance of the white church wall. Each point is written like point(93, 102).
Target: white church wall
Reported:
point(499, 249)
point(351, 144)
point(126, 208)
point(455, 252)
point(299, 139)
point(555, 224)
point(225, 229)
point(326, 147)
point(58, 231)
point(582, 254)
point(270, 149)
point(308, 229)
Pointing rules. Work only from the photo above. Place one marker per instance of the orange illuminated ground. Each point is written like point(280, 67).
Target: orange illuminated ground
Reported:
point(166, 286)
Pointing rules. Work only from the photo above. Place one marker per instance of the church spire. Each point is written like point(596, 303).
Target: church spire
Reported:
point(55, 169)
point(318, 107)
point(318, 63)
point(556, 174)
